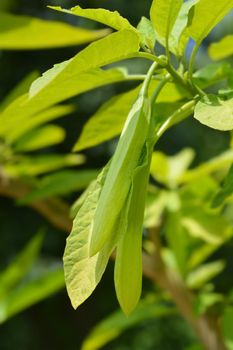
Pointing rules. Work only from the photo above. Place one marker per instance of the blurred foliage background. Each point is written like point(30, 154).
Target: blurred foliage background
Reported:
point(52, 323)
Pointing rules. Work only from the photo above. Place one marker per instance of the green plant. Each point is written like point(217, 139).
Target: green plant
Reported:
point(186, 212)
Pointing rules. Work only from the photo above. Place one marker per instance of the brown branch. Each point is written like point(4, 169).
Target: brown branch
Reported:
point(205, 326)
point(56, 212)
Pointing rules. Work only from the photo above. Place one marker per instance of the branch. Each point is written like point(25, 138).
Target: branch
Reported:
point(205, 326)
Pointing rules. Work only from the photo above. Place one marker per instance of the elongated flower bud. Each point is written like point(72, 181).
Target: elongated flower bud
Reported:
point(120, 174)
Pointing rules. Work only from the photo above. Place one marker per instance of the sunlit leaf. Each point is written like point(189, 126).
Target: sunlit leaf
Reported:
point(109, 18)
point(215, 112)
point(205, 15)
point(226, 191)
point(28, 33)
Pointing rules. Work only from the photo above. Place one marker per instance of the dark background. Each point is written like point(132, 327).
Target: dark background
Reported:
point(52, 323)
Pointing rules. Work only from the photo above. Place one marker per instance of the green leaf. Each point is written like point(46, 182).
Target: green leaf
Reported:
point(163, 15)
point(178, 38)
point(31, 292)
point(21, 88)
point(168, 170)
point(109, 18)
point(155, 205)
point(147, 33)
point(226, 191)
point(40, 138)
point(205, 15)
point(205, 225)
point(28, 33)
point(128, 264)
point(20, 265)
point(212, 73)
point(60, 183)
point(82, 272)
point(221, 49)
point(215, 112)
point(115, 324)
point(204, 273)
point(31, 166)
point(114, 47)
point(204, 300)
point(226, 326)
point(109, 120)
point(26, 123)
point(68, 86)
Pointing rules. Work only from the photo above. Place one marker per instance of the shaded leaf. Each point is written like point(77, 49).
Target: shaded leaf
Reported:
point(117, 323)
point(147, 33)
point(60, 183)
point(221, 49)
point(226, 191)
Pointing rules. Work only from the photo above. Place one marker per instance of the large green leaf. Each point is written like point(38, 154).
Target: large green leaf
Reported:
point(40, 138)
point(109, 18)
point(114, 47)
point(205, 15)
point(70, 85)
point(25, 122)
point(163, 15)
point(108, 121)
point(82, 272)
point(226, 191)
point(31, 292)
point(115, 324)
point(28, 33)
point(215, 112)
point(60, 183)
point(20, 265)
point(221, 49)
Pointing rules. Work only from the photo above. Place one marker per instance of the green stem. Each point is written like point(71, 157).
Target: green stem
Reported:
point(181, 114)
point(190, 71)
point(146, 83)
point(158, 89)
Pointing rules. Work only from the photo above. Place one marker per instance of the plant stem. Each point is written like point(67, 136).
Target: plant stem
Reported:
point(182, 113)
point(146, 83)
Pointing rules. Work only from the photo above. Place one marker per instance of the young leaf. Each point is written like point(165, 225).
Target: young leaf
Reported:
point(39, 138)
point(109, 18)
point(163, 15)
point(178, 38)
point(128, 264)
point(119, 177)
point(147, 33)
point(205, 15)
point(226, 191)
point(221, 49)
point(28, 33)
point(215, 113)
